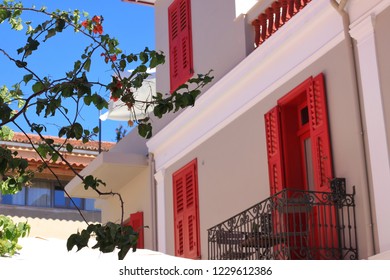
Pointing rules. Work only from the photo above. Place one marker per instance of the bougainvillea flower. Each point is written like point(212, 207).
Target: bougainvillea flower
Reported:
point(115, 99)
point(96, 19)
point(118, 85)
point(98, 28)
point(107, 58)
point(85, 23)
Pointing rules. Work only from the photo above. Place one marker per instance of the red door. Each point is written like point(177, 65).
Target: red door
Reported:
point(303, 162)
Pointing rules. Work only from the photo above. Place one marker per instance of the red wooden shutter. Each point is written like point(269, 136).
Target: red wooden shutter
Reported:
point(319, 134)
point(137, 223)
point(274, 150)
point(185, 197)
point(180, 42)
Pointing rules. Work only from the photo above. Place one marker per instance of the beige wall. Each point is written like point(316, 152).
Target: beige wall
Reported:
point(137, 197)
point(232, 165)
point(49, 228)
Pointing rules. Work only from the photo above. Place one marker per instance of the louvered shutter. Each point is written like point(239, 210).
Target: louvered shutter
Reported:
point(180, 42)
point(319, 134)
point(185, 195)
point(274, 150)
point(137, 223)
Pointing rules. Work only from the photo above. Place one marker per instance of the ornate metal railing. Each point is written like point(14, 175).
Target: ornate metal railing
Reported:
point(292, 224)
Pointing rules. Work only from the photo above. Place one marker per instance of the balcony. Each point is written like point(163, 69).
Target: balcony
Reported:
point(292, 224)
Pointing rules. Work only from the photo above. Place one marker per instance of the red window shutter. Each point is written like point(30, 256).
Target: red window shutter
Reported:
point(180, 42)
point(186, 221)
point(319, 133)
point(137, 223)
point(274, 150)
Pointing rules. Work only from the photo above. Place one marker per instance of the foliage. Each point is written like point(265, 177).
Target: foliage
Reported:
point(48, 96)
point(108, 237)
point(120, 132)
point(9, 235)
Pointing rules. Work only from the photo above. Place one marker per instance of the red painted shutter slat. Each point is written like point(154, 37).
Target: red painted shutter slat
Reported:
point(174, 41)
point(274, 150)
point(319, 133)
point(137, 223)
point(185, 191)
point(180, 42)
point(186, 44)
point(326, 233)
point(191, 212)
point(178, 204)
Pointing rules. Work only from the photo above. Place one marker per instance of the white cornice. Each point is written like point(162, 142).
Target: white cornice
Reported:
point(363, 29)
point(306, 37)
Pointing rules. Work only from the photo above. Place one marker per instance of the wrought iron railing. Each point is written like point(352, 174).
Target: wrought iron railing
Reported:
point(292, 224)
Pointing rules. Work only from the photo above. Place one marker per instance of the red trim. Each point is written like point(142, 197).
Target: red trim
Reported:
point(186, 211)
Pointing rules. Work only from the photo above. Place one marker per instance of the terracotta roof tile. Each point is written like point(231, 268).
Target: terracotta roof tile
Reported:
point(77, 144)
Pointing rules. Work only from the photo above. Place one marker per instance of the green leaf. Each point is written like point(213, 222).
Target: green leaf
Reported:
point(77, 65)
point(123, 252)
point(50, 33)
point(122, 64)
point(69, 147)
point(99, 101)
point(60, 25)
point(6, 133)
point(31, 46)
point(78, 130)
point(49, 141)
point(145, 130)
point(72, 241)
point(87, 65)
point(143, 56)
point(38, 87)
point(27, 78)
point(87, 100)
point(4, 14)
point(67, 91)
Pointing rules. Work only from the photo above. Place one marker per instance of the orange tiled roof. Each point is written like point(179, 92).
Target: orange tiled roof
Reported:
point(77, 144)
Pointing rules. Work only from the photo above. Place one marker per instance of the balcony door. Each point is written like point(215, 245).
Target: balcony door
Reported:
point(299, 158)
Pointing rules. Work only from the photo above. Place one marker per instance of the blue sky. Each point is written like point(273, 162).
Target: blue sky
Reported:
point(131, 24)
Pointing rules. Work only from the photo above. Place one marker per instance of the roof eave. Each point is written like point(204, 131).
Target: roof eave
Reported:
point(148, 3)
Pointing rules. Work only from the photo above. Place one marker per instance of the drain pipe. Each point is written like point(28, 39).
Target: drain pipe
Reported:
point(340, 8)
point(153, 200)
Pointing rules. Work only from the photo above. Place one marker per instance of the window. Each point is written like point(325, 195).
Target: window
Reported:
point(186, 217)
point(180, 42)
point(297, 135)
point(45, 193)
point(39, 195)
